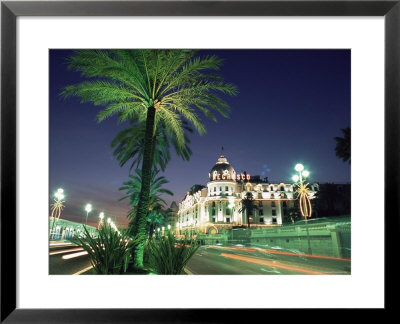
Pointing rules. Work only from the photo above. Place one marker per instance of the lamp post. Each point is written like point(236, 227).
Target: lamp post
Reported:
point(88, 209)
point(101, 216)
point(56, 208)
point(304, 200)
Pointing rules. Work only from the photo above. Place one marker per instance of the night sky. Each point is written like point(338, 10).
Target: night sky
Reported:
point(291, 104)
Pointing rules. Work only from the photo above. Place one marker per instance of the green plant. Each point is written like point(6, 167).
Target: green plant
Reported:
point(110, 252)
point(166, 256)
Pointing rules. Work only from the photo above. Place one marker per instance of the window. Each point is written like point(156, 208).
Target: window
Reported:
point(261, 211)
point(215, 189)
point(220, 188)
point(271, 188)
point(213, 212)
point(273, 212)
point(213, 204)
point(213, 219)
point(261, 219)
point(226, 189)
point(282, 188)
point(274, 220)
point(228, 220)
point(227, 211)
point(273, 204)
point(284, 204)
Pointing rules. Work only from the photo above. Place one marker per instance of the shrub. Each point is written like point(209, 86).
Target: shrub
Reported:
point(166, 256)
point(110, 252)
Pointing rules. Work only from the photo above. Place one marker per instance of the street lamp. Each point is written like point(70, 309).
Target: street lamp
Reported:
point(88, 209)
point(57, 207)
point(304, 200)
point(101, 216)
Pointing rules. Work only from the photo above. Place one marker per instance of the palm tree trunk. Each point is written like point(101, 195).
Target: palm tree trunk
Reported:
point(139, 222)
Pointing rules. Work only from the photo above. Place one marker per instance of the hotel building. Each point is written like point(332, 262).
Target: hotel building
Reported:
point(218, 206)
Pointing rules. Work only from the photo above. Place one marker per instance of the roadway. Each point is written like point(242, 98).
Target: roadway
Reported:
point(69, 259)
point(66, 258)
point(214, 259)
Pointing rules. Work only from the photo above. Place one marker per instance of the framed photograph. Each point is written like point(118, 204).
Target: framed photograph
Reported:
point(214, 134)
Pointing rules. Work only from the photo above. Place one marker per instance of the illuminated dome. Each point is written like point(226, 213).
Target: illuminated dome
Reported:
point(222, 170)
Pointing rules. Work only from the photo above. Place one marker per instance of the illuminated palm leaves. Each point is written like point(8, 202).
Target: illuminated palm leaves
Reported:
point(56, 209)
point(174, 82)
point(304, 200)
point(134, 186)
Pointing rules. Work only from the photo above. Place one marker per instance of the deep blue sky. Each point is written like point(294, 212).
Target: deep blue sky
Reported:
point(291, 104)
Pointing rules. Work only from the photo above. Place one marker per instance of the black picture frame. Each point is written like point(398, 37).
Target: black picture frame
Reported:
point(10, 10)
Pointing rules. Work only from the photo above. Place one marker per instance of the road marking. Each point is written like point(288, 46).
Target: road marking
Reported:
point(65, 251)
point(73, 255)
point(272, 264)
point(279, 252)
point(82, 271)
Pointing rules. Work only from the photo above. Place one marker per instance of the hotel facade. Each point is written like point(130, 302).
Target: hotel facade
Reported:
point(218, 206)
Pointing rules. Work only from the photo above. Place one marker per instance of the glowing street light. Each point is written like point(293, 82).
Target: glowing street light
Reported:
point(88, 209)
point(299, 167)
point(57, 206)
point(101, 216)
point(304, 199)
point(305, 203)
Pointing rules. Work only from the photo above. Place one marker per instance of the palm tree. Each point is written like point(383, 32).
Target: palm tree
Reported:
point(155, 86)
point(133, 188)
point(154, 219)
point(128, 145)
point(248, 205)
point(343, 145)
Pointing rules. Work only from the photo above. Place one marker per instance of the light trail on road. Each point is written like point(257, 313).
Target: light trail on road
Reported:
point(277, 252)
point(65, 251)
point(272, 264)
point(82, 271)
point(73, 255)
point(61, 244)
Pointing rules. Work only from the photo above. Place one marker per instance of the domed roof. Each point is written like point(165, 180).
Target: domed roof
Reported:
point(222, 170)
